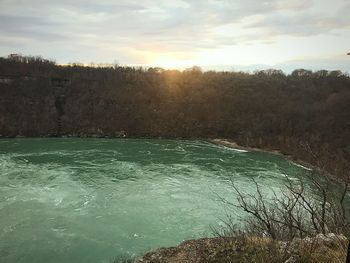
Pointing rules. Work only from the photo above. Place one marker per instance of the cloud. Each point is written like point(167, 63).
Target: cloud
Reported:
point(304, 23)
point(29, 27)
point(131, 28)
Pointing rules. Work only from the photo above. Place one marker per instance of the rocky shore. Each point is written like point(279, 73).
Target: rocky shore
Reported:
point(321, 248)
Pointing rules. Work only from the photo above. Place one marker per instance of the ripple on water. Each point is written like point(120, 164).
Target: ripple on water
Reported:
point(90, 200)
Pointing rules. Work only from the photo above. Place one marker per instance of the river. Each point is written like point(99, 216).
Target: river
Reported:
point(92, 200)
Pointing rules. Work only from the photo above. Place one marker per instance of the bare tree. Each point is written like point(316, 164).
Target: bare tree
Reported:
point(308, 207)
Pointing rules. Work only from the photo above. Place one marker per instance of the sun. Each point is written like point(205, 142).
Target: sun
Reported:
point(171, 61)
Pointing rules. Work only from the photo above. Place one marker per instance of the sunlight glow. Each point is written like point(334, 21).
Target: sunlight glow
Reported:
point(170, 61)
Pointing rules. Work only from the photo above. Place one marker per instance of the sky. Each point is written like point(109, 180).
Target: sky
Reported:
point(214, 34)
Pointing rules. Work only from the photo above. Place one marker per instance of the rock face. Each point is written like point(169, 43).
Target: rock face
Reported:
point(322, 248)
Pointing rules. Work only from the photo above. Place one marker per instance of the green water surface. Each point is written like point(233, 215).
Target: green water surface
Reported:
point(91, 200)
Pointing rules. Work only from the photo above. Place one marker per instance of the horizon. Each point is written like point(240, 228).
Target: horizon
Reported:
point(250, 69)
point(216, 35)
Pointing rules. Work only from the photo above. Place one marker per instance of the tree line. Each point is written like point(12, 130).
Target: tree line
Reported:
point(267, 109)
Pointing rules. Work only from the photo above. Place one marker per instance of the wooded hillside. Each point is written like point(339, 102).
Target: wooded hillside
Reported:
point(266, 109)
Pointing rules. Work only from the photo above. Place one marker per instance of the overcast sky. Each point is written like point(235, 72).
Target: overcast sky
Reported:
point(216, 34)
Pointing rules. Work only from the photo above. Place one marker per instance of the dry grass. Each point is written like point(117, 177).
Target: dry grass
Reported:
point(248, 249)
point(309, 250)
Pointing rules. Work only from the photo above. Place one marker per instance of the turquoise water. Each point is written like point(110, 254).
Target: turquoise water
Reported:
point(91, 200)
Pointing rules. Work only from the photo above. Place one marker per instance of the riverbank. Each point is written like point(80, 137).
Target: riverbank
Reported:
point(234, 145)
point(244, 249)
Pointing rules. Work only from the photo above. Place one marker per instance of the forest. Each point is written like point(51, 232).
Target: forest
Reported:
point(299, 114)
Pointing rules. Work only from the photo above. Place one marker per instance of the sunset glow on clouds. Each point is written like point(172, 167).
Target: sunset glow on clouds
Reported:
point(216, 34)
